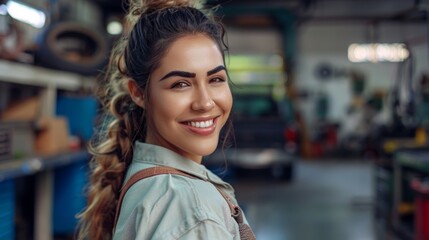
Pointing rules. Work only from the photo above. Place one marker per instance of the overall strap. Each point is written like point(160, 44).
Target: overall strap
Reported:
point(246, 232)
point(236, 212)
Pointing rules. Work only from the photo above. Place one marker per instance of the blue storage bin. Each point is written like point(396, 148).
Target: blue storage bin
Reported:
point(7, 210)
point(69, 198)
point(80, 112)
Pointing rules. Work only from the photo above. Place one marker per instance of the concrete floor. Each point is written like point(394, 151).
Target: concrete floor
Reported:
point(326, 200)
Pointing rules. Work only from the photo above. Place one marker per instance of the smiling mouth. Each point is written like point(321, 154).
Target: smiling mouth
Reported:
point(202, 127)
point(200, 124)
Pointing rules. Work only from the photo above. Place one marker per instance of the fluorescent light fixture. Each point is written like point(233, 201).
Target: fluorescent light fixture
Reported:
point(378, 52)
point(24, 13)
point(114, 28)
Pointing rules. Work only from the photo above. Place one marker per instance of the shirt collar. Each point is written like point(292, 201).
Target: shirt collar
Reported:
point(157, 155)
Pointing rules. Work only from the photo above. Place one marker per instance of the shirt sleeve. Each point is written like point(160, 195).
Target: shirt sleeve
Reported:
point(207, 230)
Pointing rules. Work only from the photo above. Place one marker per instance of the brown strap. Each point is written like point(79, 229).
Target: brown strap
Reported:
point(236, 212)
point(246, 232)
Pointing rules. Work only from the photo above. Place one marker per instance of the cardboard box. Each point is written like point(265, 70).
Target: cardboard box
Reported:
point(53, 137)
point(24, 110)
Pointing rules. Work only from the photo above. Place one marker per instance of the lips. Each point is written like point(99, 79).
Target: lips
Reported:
point(204, 126)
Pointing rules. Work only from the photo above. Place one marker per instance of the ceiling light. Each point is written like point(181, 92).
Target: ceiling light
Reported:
point(378, 52)
point(24, 13)
point(114, 28)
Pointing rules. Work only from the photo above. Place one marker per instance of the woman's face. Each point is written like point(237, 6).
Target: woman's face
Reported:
point(189, 98)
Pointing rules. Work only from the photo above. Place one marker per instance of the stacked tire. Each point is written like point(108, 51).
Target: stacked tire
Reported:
point(73, 47)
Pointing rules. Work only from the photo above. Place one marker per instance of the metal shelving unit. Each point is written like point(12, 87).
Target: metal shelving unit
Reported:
point(49, 82)
point(394, 197)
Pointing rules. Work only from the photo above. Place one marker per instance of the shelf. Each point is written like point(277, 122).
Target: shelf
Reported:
point(17, 168)
point(43, 167)
point(27, 74)
point(416, 160)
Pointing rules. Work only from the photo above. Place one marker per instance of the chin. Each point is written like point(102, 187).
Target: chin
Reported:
point(206, 150)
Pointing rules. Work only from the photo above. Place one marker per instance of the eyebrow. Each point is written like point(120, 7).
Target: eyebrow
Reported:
point(216, 69)
point(179, 74)
point(190, 74)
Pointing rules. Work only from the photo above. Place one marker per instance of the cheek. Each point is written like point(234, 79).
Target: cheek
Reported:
point(224, 99)
point(167, 106)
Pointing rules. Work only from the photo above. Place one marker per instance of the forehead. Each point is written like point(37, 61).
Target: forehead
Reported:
point(192, 53)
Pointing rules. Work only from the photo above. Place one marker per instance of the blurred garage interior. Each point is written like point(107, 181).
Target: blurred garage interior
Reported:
point(331, 114)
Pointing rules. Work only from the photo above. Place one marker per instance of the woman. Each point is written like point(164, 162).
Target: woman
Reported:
point(167, 87)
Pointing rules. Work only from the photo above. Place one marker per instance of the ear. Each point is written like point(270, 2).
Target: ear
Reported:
point(136, 93)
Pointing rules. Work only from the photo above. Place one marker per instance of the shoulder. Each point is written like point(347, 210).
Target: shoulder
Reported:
point(175, 205)
point(159, 192)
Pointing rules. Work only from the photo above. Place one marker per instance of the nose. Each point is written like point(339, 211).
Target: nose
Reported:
point(202, 101)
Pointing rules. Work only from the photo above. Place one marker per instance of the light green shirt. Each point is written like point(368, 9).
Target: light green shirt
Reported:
point(169, 207)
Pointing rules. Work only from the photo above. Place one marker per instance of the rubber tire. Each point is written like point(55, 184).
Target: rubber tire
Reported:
point(48, 55)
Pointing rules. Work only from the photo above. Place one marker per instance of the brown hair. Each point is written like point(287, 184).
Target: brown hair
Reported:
point(151, 28)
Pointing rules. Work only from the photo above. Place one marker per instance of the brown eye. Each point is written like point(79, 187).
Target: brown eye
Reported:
point(179, 85)
point(217, 80)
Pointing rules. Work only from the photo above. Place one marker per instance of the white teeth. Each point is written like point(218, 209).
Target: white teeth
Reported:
point(203, 124)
